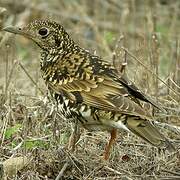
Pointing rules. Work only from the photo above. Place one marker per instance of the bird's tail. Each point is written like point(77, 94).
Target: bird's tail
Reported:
point(146, 130)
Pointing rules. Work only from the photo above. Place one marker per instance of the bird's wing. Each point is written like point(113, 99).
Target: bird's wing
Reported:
point(101, 92)
point(134, 91)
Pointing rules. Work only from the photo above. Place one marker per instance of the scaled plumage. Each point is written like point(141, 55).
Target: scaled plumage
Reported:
point(88, 88)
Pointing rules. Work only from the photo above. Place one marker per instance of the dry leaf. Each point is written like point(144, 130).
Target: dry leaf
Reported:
point(12, 165)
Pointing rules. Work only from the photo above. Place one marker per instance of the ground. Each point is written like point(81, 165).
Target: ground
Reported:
point(33, 137)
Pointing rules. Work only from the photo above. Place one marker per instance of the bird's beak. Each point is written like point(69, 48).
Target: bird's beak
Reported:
point(18, 30)
point(22, 31)
point(13, 29)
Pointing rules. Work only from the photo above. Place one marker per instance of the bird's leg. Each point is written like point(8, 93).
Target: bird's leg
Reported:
point(110, 143)
point(74, 137)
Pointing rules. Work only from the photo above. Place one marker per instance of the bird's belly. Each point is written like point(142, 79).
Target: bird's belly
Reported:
point(89, 117)
point(100, 120)
point(97, 127)
point(92, 121)
point(93, 125)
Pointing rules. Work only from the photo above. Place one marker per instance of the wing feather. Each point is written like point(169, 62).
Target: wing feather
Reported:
point(106, 94)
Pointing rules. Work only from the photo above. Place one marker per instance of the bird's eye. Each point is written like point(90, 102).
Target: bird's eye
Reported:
point(43, 31)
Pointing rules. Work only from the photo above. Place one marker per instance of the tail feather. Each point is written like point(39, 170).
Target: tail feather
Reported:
point(146, 130)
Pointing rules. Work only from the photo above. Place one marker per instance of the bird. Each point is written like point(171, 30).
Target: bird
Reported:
point(89, 89)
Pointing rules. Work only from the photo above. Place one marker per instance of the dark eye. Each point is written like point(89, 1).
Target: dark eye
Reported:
point(43, 31)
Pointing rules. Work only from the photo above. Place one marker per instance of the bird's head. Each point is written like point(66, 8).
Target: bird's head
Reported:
point(48, 35)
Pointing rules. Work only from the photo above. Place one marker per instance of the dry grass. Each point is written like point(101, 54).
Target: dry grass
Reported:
point(29, 124)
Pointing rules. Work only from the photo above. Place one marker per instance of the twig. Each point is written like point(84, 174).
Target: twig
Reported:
point(115, 171)
point(6, 72)
point(168, 126)
point(174, 83)
point(124, 64)
point(134, 57)
point(1, 170)
point(25, 95)
point(10, 74)
point(171, 172)
point(120, 67)
point(60, 175)
point(93, 171)
point(169, 177)
point(69, 161)
point(73, 159)
point(23, 68)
